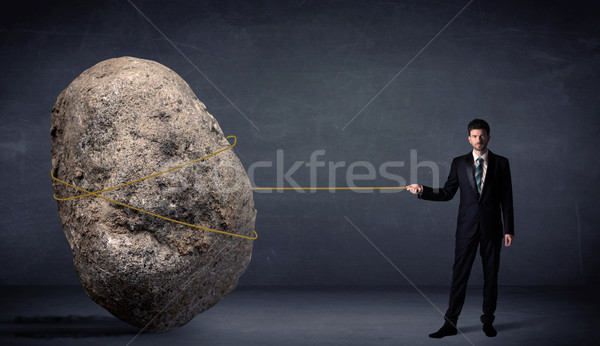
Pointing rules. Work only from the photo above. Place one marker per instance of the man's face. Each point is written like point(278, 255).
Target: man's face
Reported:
point(479, 139)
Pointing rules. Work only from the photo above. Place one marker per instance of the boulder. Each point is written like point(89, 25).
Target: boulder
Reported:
point(128, 118)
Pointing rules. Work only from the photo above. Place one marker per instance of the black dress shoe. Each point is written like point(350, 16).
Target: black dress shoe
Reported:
point(446, 330)
point(489, 330)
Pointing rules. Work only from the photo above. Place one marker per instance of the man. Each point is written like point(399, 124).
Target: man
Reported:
point(485, 206)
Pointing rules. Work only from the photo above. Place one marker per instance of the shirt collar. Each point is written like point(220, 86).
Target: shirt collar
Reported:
point(484, 156)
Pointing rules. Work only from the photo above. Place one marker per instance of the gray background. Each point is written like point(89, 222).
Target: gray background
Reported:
point(300, 71)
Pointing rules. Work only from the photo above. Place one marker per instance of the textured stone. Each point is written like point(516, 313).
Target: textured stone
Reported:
point(124, 119)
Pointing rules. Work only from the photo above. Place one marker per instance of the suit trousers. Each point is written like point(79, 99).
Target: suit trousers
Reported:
point(464, 255)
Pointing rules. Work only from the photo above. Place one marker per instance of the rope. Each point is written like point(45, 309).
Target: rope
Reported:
point(97, 194)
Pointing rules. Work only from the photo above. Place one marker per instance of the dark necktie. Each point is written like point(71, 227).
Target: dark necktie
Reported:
point(478, 174)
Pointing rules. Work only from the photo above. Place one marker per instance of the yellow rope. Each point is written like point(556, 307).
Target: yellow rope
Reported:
point(334, 188)
point(96, 194)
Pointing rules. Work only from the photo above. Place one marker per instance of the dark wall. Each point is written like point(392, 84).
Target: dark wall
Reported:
point(361, 80)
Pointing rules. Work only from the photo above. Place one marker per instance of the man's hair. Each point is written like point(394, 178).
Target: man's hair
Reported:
point(478, 124)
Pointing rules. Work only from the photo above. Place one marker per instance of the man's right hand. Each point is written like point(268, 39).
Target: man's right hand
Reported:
point(415, 189)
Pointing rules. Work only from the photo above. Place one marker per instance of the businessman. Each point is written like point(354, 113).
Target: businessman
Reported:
point(485, 216)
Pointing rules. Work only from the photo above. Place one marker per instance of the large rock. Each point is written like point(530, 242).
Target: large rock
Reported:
point(125, 119)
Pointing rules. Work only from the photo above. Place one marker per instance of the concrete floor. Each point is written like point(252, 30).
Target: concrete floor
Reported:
point(308, 316)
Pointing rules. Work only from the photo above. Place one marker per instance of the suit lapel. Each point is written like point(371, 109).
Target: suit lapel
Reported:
point(470, 167)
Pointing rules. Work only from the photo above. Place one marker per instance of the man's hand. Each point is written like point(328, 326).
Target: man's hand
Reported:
point(415, 189)
point(508, 239)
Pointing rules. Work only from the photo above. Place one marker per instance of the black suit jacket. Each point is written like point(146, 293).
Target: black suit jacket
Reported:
point(490, 211)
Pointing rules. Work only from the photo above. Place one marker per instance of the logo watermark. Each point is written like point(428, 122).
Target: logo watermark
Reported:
point(354, 175)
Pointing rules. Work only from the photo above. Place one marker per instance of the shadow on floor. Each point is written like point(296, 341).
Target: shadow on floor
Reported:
point(71, 326)
point(500, 327)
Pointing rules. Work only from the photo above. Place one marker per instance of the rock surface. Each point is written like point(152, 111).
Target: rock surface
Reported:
point(124, 119)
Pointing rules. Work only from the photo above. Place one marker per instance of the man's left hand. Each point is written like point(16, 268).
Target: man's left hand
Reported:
point(508, 239)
